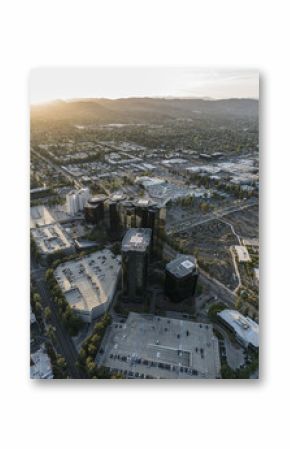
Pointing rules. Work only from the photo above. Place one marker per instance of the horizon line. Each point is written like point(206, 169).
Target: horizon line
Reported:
point(160, 97)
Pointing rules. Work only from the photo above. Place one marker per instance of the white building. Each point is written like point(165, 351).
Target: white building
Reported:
point(84, 195)
point(76, 200)
point(242, 253)
point(245, 329)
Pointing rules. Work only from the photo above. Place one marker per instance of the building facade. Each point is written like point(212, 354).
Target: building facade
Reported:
point(181, 278)
point(76, 200)
point(94, 209)
point(135, 262)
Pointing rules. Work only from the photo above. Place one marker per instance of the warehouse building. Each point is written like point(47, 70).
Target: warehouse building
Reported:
point(154, 347)
point(181, 278)
point(89, 283)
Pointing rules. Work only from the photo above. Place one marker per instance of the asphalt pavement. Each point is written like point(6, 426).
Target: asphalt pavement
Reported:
point(64, 343)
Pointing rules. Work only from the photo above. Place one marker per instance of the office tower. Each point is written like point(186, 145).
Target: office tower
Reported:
point(181, 278)
point(94, 209)
point(135, 262)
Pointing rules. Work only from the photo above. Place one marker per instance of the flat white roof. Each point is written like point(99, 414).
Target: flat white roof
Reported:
point(187, 264)
point(90, 281)
point(174, 161)
point(136, 239)
point(243, 254)
point(51, 238)
point(244, 327)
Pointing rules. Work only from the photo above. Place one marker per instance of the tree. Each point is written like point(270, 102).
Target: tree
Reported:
point(204, 207)
point(47, 313)
point(49, 274)
point(38, 308)
point(92, 349)
point(50, 332)
point(61, 363)
point(227, 372)
point(214, 310)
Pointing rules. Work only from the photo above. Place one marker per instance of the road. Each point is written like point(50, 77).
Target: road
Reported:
point(63, 341)
point(219, 213)
point(217, 288)
point(59, 169)
point(233, 255)
point(234, 352)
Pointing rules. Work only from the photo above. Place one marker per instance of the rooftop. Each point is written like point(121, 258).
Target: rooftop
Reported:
point(97, 199)
point(51, 238)
point(244, 327)
point(41, 367)
point(160, 347)
point(40, 216)
point(182, 266)
point(174, 161)
point(136, 239)
point(146, 181)
point(117, 196)
point(243, 254)
point(89, 281)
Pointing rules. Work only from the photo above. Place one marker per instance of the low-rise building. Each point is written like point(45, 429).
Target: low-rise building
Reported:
point(89, 283)
point(51, 239)
point(40, 366)
point(242, 253)
point(244, 328)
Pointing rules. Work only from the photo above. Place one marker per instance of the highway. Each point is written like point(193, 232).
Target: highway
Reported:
point(64, 343)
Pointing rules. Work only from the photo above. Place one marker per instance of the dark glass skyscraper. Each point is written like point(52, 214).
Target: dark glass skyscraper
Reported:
point(181, 278)
point(135, 262)
point(94, 209)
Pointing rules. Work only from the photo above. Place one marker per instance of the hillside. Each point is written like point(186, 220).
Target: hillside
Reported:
point(142, 110)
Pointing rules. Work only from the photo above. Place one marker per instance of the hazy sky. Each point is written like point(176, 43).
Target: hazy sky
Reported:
point(65, 83)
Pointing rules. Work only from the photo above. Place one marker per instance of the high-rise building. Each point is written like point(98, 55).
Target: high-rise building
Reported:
point(144, 213)
point(94, 209)
point(76, 200)
point(181, 278)
point(112, 212)
point(72, 203)
point(135, 262)
point(83, 195)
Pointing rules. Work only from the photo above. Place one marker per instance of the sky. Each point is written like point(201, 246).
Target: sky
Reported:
point(48, 84)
